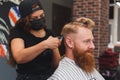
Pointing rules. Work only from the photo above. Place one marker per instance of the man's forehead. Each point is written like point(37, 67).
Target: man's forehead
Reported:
point(84, 32)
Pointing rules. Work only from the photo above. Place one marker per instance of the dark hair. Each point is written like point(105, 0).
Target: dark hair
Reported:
point(24, 24)
point(11, 60)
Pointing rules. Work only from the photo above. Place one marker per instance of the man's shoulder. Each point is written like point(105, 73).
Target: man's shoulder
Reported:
point(64, 70)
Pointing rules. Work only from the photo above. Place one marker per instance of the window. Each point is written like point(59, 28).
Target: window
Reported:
point(111, 12)
point(116, 24)
point(111, 9)
point(111, 1)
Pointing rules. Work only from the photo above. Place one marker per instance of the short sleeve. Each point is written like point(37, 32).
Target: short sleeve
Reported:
point(15, 33)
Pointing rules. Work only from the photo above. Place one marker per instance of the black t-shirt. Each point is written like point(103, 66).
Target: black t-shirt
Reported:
point(41, 63)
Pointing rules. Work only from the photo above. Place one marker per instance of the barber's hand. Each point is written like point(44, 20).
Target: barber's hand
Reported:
point(53, 42)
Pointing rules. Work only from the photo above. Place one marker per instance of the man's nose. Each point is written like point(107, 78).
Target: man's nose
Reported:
point(91, 45)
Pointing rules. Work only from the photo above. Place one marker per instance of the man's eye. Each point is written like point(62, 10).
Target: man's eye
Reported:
point(42, 15)
point(87, 41)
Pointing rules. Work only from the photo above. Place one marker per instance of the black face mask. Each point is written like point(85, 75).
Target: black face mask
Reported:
point(38, 24)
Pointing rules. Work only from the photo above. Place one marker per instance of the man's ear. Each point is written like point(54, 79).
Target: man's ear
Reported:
point(69, 42)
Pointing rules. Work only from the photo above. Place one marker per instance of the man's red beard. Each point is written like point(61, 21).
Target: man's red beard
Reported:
point(84, 60)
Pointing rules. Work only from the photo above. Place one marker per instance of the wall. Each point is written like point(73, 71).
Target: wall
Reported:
point(6, 71)
point(48, 8)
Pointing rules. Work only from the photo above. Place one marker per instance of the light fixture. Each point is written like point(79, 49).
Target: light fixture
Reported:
point(118, 3)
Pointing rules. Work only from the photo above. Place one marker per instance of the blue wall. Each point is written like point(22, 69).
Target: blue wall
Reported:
point(6, 71)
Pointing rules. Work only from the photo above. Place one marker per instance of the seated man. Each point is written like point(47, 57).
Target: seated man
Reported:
point(78, 62)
